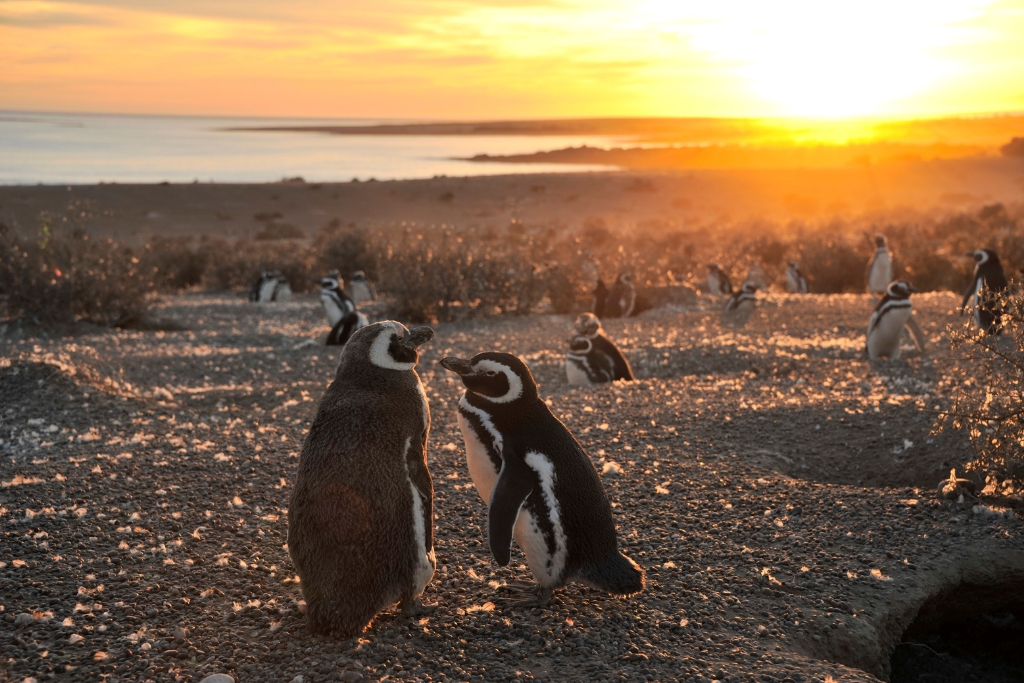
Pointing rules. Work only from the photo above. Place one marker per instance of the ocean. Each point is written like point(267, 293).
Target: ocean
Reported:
point(60, 148)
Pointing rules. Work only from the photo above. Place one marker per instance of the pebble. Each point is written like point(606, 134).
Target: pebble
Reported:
point(24, 619)
point(218, 678)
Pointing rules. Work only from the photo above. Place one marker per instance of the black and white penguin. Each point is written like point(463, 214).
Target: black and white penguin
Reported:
point(741, 305)
point(263, 290)
point(599, 298)
point(360, 519)
point(718, 280)
point(337, 303)
point(621, 297)
point(891, 314)
point(796, 283)
point(346, 327)
point(540, 486)
point(359, 288)
point(283, 291)
point(879, 272)
point(592, 357)
point(989, 281)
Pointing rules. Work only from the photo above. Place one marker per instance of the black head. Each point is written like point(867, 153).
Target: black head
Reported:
point(494, 377)
point(328, 283)
point(357, 276)
point(388, 345)
point(880, 241)
point(749, 287)
point(587, 324)
point(794, 265)
point(580, 346)
point(714, 267)
point(626, 278)
point(983, 256)
point(900, 289)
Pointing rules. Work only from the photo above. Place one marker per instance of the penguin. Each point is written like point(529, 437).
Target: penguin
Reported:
point(741, 305)
point(891, 314)
point(879, 273)
point(599, 298)
point(755, 275)
point(345, 327)
point(359, 288)
point(337, 303)
point(592, 357)
point(621, 297)
point(283, 290)
point(539, 484)
point(718, 280)
point(988, 282)
point(263, 290)
point(796, 283)
point(360, 518)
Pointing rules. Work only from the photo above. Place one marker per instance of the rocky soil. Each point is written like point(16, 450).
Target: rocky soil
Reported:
point(777, 486)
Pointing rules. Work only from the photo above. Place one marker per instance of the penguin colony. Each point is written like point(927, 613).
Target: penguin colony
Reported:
point(360, 527)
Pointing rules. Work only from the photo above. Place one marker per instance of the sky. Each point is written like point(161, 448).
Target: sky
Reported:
point(504, 59)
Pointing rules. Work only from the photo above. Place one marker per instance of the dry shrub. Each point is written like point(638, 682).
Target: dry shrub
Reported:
point(989, 403)
point(176, 262)
point(832, 265)
point(347, 249)
point(236, 265)
point(57, 280)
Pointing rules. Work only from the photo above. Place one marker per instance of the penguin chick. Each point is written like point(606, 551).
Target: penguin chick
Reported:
point(741, 305)
point(539, 484)
point(796, 283)
point(890, 316)
point(592, 357)
point(988, 282)
point(360, 519)
point(879, 272)
point(718, 280)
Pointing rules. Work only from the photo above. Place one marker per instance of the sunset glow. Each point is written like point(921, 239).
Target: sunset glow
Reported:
point(514, 58)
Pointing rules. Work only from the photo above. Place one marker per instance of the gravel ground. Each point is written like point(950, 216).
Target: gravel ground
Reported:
point(777, 486)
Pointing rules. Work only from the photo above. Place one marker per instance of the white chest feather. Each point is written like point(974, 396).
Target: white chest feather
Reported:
point(425, 558)
point(478, 454)
point(331, 307)
point(881, 271)
point(545, 565)
point(267, 290)
point(576, 370)
point(885, 329)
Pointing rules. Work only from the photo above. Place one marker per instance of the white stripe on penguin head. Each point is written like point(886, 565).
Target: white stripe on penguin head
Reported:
point(515, 383)
point(379, 354)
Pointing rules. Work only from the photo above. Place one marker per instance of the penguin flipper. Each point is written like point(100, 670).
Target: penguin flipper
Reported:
point(344, 329)
point(510, 492)
point(971, 289)
point(916, 332)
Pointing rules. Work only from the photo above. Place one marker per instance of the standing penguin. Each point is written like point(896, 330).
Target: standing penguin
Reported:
point(718, 280)
point(796, 283)
point(360, 520)
point(886, 325)
point(540, 486)
point(592, 357)
point(879, 273)
point(741, 305)
point(359, 288)
point(341, 311)
point(341, 332)
point(263, 290)
point(989, 281)
point(283, 291)
point(621, 297)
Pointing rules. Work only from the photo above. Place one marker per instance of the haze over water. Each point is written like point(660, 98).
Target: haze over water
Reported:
point(61, 148)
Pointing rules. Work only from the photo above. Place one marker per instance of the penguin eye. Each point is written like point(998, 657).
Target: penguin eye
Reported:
point(491, 373)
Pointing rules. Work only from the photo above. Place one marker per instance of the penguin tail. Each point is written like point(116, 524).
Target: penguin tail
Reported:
point(616, 575)
point(331, 617)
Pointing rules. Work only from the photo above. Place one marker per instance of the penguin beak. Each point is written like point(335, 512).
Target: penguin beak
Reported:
point(459, 366)
point(912, 288)
point(417, 336)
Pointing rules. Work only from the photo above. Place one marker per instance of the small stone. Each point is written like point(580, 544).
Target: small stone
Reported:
point(152, 612)
point(145, 647)
point(76, 638)
point(352, 677)
point(24, 619)
point(218, 678)
point(299, 679)
point(179, 634)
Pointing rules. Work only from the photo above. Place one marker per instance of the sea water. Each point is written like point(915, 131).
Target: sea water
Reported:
point(57, 148)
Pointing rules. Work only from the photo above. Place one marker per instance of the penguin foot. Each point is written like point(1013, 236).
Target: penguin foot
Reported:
point(541, 599)
point(416, 608)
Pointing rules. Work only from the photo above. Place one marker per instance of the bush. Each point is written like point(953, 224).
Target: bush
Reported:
point(55, 281)
point(832, 265)
point(990, 402)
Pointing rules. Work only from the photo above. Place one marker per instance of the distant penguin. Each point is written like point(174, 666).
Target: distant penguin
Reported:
point(741, 305)
point(283, 290)
point(337, 303)
point(879, 273)
point(989, 281)
point(359, 288)
point(718, 280)
point(592, 357)
point(345, 328)
point(796, 283)
point(621, 297)
point(540, 486)
point(599, 300)
point(360, 520)
point(755, 275)
point(264, 289)
point(891, 314)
